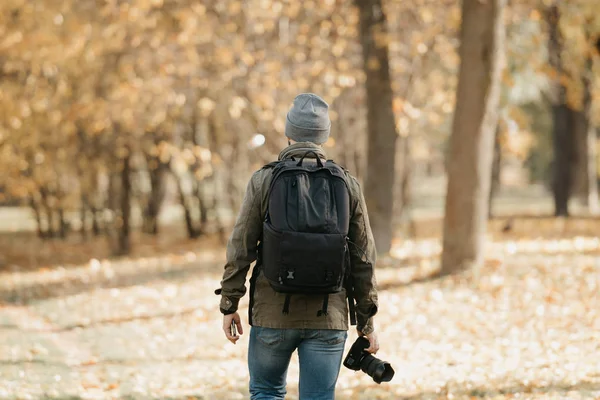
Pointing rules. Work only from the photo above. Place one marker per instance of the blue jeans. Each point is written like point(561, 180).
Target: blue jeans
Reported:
point(320, 353)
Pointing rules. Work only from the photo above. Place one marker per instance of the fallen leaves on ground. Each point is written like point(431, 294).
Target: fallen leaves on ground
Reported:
point(527, 325)
point(24, 251)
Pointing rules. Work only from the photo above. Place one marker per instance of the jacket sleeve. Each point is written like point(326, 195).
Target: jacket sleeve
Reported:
point(363, 256)
point(241, 248)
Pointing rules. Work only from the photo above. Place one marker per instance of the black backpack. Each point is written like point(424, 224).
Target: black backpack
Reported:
point(304, 248)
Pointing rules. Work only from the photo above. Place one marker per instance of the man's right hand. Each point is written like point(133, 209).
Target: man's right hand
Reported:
point(227, 320)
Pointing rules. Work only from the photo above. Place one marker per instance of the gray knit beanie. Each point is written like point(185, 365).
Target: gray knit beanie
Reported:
point(308, 119)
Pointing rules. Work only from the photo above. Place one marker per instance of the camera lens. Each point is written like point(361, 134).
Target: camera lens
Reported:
point(359, 359)
point(380, 371)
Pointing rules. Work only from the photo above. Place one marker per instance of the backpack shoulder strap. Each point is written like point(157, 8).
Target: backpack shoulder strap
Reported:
point(271, 165)
point(341, 166)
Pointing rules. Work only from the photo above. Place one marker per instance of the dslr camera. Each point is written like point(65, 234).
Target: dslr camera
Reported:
point(358, 359)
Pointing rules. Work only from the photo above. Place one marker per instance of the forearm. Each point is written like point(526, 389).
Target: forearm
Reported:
point(241, 251)
point(233, 286)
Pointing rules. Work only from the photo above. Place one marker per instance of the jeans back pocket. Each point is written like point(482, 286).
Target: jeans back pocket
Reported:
point(269, 336)
point(332, 336)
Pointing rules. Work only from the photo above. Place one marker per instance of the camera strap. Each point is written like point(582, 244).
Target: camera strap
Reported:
point(286, 304)
point(323, 310)
point(351, 307)
point(350, 289)
point(253, 278)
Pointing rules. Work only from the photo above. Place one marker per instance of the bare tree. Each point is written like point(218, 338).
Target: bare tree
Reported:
point(473, 131)
point(584, 171)
point(382, 134)
point(564, 152)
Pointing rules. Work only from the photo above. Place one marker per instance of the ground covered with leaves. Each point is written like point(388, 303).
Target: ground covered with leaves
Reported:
point(527, 325)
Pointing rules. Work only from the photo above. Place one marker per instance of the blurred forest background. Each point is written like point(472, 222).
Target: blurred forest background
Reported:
point(130, 128)
point(115, 113)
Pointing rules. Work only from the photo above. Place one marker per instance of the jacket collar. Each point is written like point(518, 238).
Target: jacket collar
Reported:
point(300, 148)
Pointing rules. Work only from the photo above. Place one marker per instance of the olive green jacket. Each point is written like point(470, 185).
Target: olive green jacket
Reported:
point(268, 304)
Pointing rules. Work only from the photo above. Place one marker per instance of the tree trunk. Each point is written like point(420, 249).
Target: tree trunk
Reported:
point(381, 153)
point(585, 184)
point(405, 177)
point(111, 218)
point(62, 224)
point(495, 171)
point(189, 221)
point(218, 218)
point(233, 190)
point(402, 186)
point(95, 223)
point(200, 137)
point(38, 217)
point(213, 143)
point(83, 217)
point(472, 140)
point(203, 207)
point(592, 160)
point(48, 210)
point(157, 196)
point(124, 227)
point(562, 120)
point(563, 158)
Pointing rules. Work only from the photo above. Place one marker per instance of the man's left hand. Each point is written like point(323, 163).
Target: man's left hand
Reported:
point(227, 321)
